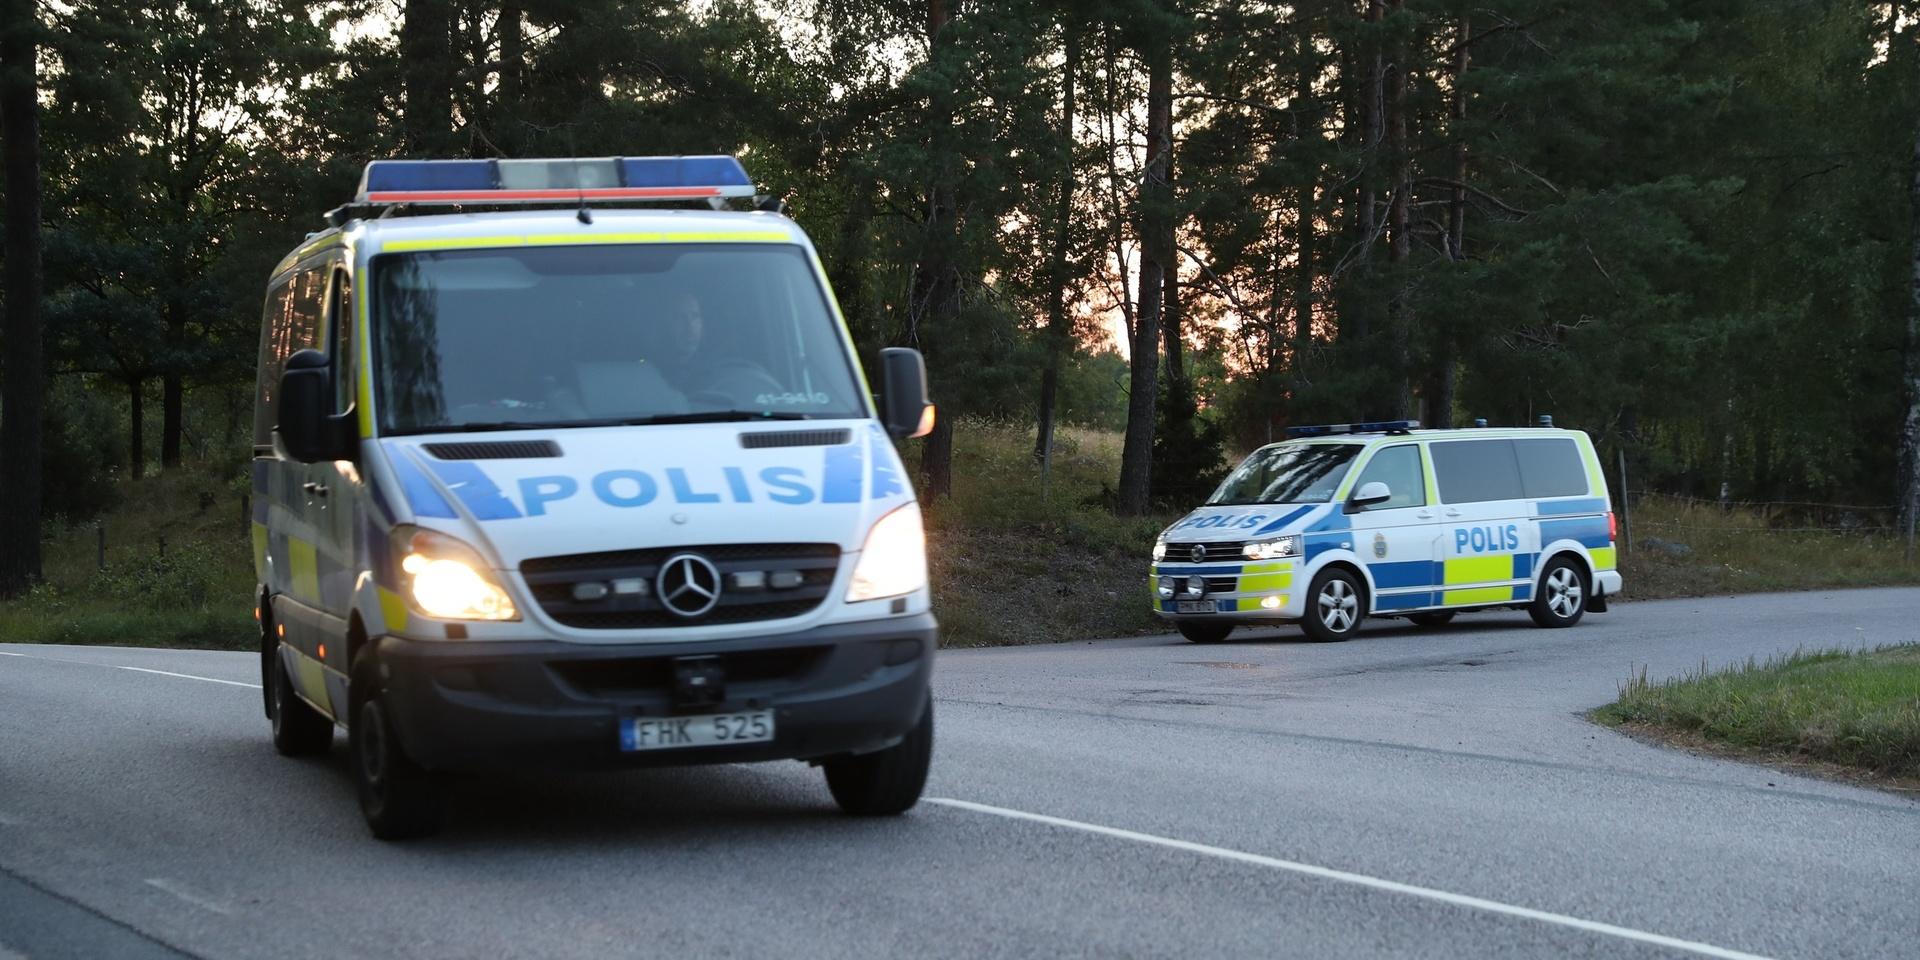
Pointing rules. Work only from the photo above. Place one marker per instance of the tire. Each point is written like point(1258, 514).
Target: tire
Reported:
point(1202, 632)
point(886, 782)
point(400, 800)
point(1336, 605)
point(1436, 618)
point(298, 729)
point(1560, 598)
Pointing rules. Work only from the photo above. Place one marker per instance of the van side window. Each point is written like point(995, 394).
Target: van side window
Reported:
point(1475, 471)
point(1398, 468)
point(291, 323)
point(341, 324)
point(1551, 468)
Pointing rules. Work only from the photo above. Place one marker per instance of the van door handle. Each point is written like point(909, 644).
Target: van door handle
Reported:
point(315, 489)
point(1425, 515)
point(1453, 513)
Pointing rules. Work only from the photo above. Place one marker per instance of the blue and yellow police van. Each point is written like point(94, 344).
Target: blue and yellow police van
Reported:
point(1339, 523)
point(571, 463)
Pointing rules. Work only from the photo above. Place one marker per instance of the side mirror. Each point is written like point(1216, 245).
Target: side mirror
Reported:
point(903, 403)
point(308, 430)
point(1369, 494)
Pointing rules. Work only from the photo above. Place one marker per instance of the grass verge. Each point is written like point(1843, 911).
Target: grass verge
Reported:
point(1016, 557)
point(177, 572)
point(1853, 712)
point(1685, 548)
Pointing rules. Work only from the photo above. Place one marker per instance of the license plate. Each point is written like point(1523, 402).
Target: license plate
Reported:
point(712, 730)
point(1197, 606)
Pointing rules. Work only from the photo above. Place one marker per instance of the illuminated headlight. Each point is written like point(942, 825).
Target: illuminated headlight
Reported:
point(1159, 551)
point(1272, 549)
point(894, 559)
point(446, 579)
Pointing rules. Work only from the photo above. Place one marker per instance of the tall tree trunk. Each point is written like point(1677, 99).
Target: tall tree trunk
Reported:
point(1910, 429)
point(1400, 247)
point(1441, 380)
point(136, 428)
point(513, 52)
point(1304, 213)
point(1059, 326)
point(1136, 455)
point(934, 300)
point(426, 57)
point(23, 364)
point(846, 275)
point(173, 390)
point(1355, 323)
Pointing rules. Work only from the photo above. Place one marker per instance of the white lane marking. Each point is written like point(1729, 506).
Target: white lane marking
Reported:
point(185, 893)
point(116, 666)
point(1359, 879)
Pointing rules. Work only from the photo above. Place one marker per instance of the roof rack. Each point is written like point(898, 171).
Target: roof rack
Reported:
point(387, 186)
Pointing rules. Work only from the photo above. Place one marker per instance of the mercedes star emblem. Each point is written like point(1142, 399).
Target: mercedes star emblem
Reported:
point(1199, 553)
point(689, 584)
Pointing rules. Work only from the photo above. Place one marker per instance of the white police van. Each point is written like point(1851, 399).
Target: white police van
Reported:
point(582, 487)
point(1343, 522)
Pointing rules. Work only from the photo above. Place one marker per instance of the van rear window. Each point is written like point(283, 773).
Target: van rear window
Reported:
point(1474, 471)
point(1551, 468)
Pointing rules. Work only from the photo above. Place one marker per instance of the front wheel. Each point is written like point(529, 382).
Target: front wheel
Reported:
point(1561, 599)
point(1335, 605)
point(298, 729)
point(1199, 632)
point(399, 799)
point(885, 782)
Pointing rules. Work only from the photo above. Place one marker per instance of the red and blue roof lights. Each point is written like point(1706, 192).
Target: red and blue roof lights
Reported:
point(554, 180)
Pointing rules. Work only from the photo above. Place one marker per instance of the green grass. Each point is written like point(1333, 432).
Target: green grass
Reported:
point(1017, 561)
point(179, 572)
point(1858, 709)
point(1014, 559)
point(1740, 551)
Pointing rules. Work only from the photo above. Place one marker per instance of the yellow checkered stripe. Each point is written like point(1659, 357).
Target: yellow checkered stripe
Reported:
point(1259, 579)
point(1477, 570)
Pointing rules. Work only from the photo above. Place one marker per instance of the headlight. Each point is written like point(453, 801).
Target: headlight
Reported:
point(894, 559)
point(1159, 550)
point(1272, 549)
point(446, 579)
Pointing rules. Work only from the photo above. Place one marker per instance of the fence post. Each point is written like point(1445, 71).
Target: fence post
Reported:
point(101, 529)
point(1626, 514)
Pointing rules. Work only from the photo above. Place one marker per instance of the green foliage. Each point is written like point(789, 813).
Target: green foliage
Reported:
point(1683, 222)
point(1856, 708)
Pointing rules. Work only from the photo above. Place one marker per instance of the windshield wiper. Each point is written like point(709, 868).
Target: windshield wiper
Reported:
point(715, 416)
point(483, 426)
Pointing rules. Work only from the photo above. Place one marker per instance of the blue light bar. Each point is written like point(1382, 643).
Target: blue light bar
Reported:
point(554, 180)
point(1335, 429)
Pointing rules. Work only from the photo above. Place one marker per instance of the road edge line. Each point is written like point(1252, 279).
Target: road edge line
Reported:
point(1358, 879)
point(119, 666)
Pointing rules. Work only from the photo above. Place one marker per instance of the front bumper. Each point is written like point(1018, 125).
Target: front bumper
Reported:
point(835, 690)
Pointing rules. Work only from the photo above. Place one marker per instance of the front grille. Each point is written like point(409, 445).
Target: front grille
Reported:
point(552, 580)
point(634, 676)
point(763, 439)
point(1220, 552)
point(1222, 584)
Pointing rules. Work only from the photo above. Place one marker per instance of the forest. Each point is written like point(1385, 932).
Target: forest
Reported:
point(1688, 227)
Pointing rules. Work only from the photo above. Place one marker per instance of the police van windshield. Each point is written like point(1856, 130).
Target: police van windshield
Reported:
point(520, 338)
point(1287, 473)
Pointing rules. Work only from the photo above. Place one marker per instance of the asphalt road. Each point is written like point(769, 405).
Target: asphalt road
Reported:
point(1407, 794)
